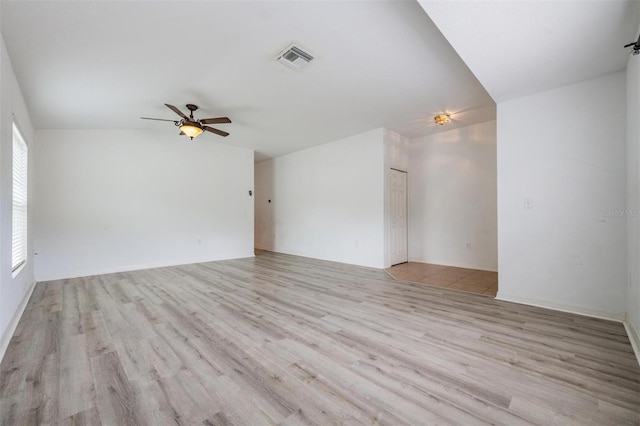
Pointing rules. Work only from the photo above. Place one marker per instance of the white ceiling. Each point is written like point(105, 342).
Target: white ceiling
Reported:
point(516, 48)
point(104, 64)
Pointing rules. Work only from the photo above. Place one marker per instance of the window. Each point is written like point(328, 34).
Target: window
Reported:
point(19, 208)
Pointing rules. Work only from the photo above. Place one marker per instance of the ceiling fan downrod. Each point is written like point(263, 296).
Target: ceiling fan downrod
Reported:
point(192, 108)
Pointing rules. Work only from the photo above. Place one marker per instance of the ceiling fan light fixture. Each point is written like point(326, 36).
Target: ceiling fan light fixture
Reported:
point(192, 130)
point(191, 126)
point(442, 119)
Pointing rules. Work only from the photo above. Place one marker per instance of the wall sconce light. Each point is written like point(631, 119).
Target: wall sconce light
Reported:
point(442, 119)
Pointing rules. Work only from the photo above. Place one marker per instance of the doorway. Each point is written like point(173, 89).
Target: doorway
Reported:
point(398, 224)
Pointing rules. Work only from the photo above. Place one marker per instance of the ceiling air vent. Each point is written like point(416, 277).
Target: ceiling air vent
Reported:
point(294, 57)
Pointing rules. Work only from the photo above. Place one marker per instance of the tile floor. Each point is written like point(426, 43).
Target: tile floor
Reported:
point(471, 280)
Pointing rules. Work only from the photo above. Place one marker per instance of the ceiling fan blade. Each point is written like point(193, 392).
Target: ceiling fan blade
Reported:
point(217, 120)
point(216, 131)
point(177, 111)
point(181, 133)
point(157, 119)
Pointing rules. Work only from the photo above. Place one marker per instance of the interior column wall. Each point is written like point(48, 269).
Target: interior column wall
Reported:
point(327, 202)
point(562, 196)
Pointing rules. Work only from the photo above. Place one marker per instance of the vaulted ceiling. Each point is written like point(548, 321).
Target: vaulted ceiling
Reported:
point(104, 64)
point(517, 48)
point(89, 64)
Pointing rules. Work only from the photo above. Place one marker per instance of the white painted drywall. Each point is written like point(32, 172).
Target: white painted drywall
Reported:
point(562, 152)
point(396, 155)
point(14, 291)
point(327, 202)
point(633, 196)
point(452, 198)
point(114, 200)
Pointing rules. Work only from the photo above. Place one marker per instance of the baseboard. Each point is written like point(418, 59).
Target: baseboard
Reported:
point(128, 268)
point(633, 338)
point(13, 324)
point(452, 264)
point(571, 309)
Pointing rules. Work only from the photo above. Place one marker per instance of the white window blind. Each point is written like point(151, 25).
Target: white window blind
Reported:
point(19, 210)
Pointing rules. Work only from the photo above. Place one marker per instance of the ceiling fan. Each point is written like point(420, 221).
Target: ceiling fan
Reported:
point(190, 126)
point(635, 50)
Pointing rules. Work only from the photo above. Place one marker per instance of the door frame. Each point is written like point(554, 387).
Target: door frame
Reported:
point(390, 215)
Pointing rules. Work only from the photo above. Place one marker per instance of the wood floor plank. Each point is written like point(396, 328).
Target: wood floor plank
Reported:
point(84, 418)
point(115, 396)
point(280, 339)
point(99, 340)
point(76, 391)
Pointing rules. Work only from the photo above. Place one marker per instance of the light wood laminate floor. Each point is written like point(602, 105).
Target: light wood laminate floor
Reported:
point(465, 279)
point(286, 340)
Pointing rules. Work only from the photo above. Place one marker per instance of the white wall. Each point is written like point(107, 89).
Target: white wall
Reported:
point(633, 198)
point(114, 200)
point(14, 291)
point(564, 151)
point(327, 202)
point(452, 198)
